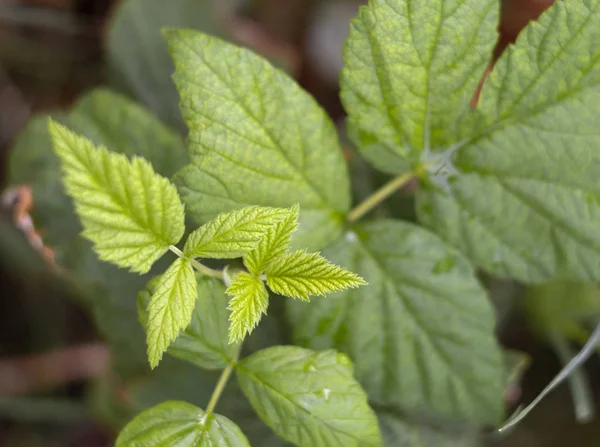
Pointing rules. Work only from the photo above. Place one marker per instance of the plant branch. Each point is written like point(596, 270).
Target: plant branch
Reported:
point(212, 403)
point(198, 265)
point(379, 196)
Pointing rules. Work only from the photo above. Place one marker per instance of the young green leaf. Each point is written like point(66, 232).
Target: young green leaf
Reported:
point(129, 212)
point(411, 68)
point(300, 274)
point(274, 244)
point(205, 341)
point(182, 424)
point(249, 301)
point(309, 398)
point(281, 147)
point(527, 201)
point(424, 314)
point(234, 233)
point(170, 309)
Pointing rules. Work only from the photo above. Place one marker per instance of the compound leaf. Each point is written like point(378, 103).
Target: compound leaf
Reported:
point(274, 244)
point(417, 330)
point(129, 212)
point(309, 398)
point(526, 202)
point(255, 138)
point(411, 68)
point(234, 233)
point(182, 424)
point(249, 301)
point(170, 309)
point(205, 341)
point(299, 274)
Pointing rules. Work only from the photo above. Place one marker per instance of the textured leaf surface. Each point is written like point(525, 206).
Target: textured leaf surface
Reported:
point(527, 202)
point(398, 432)
point(411, 67)
point(181, 424)
point(205, 341)
point(138, 54)
point(234, 233)
point(129, 212)
point(418, 328)
point(309, 398)
point(274, 244)
point(300, 274)
point(111, 120)
point(170, 309)
point(249, 301)
point(255, 138)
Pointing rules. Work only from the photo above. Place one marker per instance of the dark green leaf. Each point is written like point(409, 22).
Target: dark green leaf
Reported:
point(417, 330)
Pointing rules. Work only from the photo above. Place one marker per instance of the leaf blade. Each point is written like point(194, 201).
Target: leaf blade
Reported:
point(249, 301)
point(424, 314)
point(273, 245)
point(308, 398)
point(183, 424)
point(204, 342)
point(281, 148)
point(170, 309)
point(300, 274)
point(411, 68)
point(536, 216)
point(234, 233)
point(106, 187)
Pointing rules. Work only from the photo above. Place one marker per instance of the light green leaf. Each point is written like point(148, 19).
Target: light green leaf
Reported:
point(417, 330)
point(205, 341)
point(234, 233)
point(170, 309)
point(255, 138)
point(527, 201)
point(111, 120)
point(129, 212)
point(411, 68)
point(249, 301)
point(300, 274)
point(182, 424)
point(309, 398)
point(137, 52)
point(274, 244)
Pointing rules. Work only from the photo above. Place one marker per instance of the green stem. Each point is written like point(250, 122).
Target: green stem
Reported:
point(212, 403)
point(379, 196)
point(197, 265)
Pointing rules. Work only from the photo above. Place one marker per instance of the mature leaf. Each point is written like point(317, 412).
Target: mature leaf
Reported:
point(274, 244)
point(299, 274)
point(129, 212)
point(527, 201)
point(411, 69)
point(255, 138)
point(403, 432)
point(111, 120)
point(182, 424)
point(249, 301)
point(309, 398)
point(417, 330)
point(234, 233)
point(204, 342)
point(170, 309)
point(138, 54)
